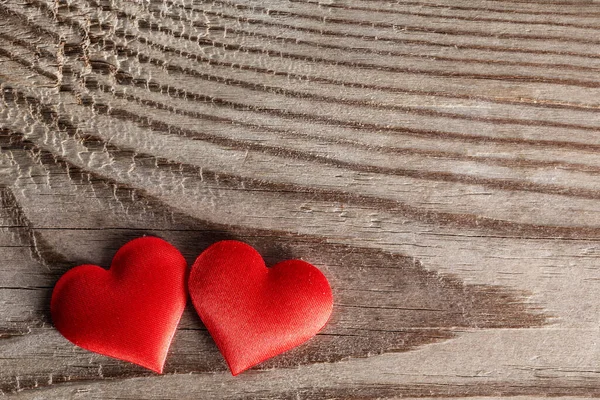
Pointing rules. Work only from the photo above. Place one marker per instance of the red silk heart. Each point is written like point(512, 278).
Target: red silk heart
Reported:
point(129, 312)
point(253, 312)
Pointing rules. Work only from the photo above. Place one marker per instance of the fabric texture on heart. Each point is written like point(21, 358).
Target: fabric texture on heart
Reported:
point(253, 312)
point(130, 311)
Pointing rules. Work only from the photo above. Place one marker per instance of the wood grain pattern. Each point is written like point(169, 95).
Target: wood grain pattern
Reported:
point(437, 160)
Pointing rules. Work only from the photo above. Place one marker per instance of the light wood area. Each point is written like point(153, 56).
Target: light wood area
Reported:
point(438, 160)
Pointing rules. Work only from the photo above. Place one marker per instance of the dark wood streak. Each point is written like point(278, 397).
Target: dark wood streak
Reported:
point(442, 73)
point(556, 2)
point(382, 149)
point(50, 117)
point(200, 41)
point(455, 7)
point(185, 94)
point(492, 183)
point(335, 100)
point(579, 4)
point(434, 154)
point(502, 184)
point(353, 49)
point(336, 34)
point(27, 63)
point(325, 32)
point(414, 28)
point(124, 78)
point(449, 17)
point(313, 96)
point(73, 50)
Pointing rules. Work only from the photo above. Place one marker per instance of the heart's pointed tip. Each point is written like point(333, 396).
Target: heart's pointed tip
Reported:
point(236, 368)
point(154, 367)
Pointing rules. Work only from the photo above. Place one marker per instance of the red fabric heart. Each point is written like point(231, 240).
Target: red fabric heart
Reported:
point(129, 312)
point(253, 312)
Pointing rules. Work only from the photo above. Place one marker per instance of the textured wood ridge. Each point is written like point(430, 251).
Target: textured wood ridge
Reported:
point(438, 160)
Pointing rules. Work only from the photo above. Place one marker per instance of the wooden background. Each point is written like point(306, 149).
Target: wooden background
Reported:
point(438, 160)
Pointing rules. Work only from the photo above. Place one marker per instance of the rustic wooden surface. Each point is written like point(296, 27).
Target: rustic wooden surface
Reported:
point(439, 160)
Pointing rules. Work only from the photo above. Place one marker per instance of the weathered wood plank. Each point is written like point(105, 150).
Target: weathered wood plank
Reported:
point(437, 160)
